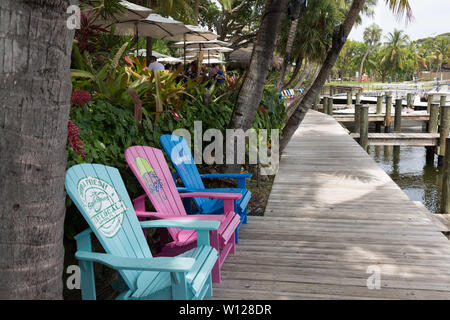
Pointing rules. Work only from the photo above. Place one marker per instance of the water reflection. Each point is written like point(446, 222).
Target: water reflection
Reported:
point(408, 167)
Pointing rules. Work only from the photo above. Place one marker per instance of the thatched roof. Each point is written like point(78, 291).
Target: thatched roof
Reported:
point(241, 59)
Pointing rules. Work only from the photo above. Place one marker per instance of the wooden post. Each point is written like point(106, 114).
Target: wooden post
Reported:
point(432, 127)
point(356, 121)
point(330, 105)
point(379, 110)
point(445, 197)
point(387, 116)
point(364, 127)
point(434, 117)
point(398, 115)
point(358, 98)
point(409, 100)
point(430, 101)
point(349, 98)
point(325, 104)
point(444, 129)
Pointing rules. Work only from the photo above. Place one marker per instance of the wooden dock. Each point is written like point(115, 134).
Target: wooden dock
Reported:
point(350, 117)
point(334, 218)
point(401, 139)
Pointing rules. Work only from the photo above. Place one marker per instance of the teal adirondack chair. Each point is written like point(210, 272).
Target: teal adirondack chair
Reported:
point(180, 155)
point(100, 195)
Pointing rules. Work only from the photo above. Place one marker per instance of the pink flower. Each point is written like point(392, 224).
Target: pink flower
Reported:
point(80, 97)
point(74, 139)
point(128, 60)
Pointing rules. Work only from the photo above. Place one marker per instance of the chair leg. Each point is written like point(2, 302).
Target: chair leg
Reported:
point(233, 247)
point(214, 241)
point(236, 236)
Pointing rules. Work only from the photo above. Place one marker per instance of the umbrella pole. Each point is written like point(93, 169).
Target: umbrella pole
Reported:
point(184, 49)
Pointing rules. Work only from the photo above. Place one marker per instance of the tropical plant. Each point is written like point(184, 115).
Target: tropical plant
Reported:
point(395, 50)
point(372, 35)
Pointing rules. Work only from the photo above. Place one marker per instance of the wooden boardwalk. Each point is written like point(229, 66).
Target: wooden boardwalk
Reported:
point(333, 213)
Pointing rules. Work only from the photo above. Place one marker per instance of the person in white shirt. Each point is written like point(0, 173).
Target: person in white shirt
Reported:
point(155, 65)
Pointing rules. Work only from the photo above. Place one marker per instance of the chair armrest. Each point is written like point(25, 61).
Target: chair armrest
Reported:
point(165, 216)
point(199, 225)
point(139, 202)
point(165, 264)
point(227, 175)
point(211, 195)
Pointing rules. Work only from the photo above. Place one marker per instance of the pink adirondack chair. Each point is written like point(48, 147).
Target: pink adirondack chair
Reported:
point(151, 169)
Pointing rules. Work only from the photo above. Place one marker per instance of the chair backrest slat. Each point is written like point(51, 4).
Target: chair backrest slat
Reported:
point(100, 195)
point(178, 150)
point(151, 169)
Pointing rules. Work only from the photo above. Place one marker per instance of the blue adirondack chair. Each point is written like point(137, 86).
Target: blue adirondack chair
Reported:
point(180, 155)
point(100, 195)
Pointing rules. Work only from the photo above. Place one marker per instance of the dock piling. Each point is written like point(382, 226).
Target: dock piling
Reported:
point(356, 119)
point(349, 98)
point(445, 197)
point(364, 126)
point(398, 115)
point(387, 116)
point(330, 106)
point(444, 130)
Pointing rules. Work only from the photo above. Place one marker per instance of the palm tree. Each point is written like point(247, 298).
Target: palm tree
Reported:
point(442, 51)
point(372, 35)
point(395, 49)
point(302, 107)
point(35, 94)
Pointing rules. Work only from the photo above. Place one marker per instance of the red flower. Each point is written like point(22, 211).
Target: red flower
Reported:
point(128, 60)
point(80, 97)
point(74, 140)
point(176, 115)
point(262, 109)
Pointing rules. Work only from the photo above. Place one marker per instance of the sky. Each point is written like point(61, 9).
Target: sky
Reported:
point(431, 18)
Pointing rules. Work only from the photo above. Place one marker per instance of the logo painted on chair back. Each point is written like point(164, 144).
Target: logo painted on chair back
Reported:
point(151, 180)
point(102, 204)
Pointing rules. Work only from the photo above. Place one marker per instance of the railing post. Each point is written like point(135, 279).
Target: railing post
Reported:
point(398, 115)
point(364, 127)
point(432, 128)
point(356, 120)
point(445, 203)
point(387, 116)
point(444, 129)
point(349, 98)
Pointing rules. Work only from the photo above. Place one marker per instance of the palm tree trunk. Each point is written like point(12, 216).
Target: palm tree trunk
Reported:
point(287, 55)
point(304, 75)
point(250, 93)
point(362, 63)
point(35, 48)
point(305, 104)
point(298, 65)
point(196, 3)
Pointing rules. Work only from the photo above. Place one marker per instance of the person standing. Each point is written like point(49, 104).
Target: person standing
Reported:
point(220, 76)
point(155, 65)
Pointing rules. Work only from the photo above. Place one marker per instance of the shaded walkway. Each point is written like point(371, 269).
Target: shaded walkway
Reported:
point(332, 214)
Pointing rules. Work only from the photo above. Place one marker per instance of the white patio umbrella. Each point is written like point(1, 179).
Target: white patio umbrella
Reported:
point(170, 60)
point(131, 11)
point(195, 33)
point(202, 44)
point(154, 25)
point(143, 53)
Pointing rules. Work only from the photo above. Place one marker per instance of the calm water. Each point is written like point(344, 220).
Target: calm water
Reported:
point(408, 168)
